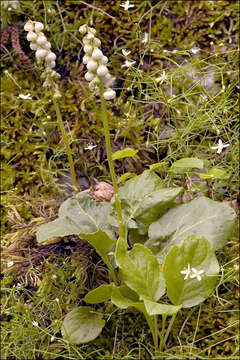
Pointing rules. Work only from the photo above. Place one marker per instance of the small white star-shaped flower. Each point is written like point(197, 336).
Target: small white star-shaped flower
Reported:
point(196, 273)
point(127, 5)
point(161, 78)
point(90, 147)
point(128, 63)
point(220, 146)
point(25, 97)
point(186, 272)
point(194, 50)
point(126, 52)
point(35, 323)
point(145, 39)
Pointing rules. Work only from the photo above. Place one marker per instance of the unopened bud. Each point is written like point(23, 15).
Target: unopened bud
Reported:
point(92, 65)
point(83, 29)
point(97, 54)
point(51, 57)
point(86, 59)
point(109, 94)
point(52, 64)
point(102, 70)
point(31, 36)
point(41, 40)
point(40, 53)
point(89, 76)
point(47, 45)
point(29, 26)
point(103, 60)
point(88, 49)
point(33, 46)
point(38, 27)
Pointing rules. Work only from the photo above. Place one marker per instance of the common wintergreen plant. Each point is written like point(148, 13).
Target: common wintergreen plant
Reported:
point(172, 245)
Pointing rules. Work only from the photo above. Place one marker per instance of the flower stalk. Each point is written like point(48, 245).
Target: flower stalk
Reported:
point(100, 81)
point(65, 139)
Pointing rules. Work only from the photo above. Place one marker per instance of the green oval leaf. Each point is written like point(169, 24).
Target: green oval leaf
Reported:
point(144, 199)
point(194, 253)
point(201, 217)
point(98, 295)
point(141, 270)
point(158, 165)
point(84, 217)
point(127, 152)
point(215, 173)
point(82, 325)
point(187, 163)
point(123, 297)
point(125, 177)
point(154, 308)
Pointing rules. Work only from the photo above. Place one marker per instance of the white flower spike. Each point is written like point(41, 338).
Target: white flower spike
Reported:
point(128, 63)
point(96, 62)
point(127, 5)
point(196, 273)
point(220, 146)
point(186, 272)
point(44, 55)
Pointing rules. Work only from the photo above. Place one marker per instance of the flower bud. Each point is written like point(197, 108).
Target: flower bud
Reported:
point(92, 65)
point(89, 36)
point(83, 29)
point(96, 42)
point(31, 36)
point(51, 57)
point(93, 84)
point(92, 30)
point(41, 40)
point(109, 94)
point(40, 53)
point(108, 80)
point(102, 70)
point(88, 49)
point(47, 46)
point(52, 64)
point(97, 54)
point(38, 26)
point(89, 76)
point(103, 60)
point(33, 46)
point(29, 26)
point(85, 41)
point(86, 59)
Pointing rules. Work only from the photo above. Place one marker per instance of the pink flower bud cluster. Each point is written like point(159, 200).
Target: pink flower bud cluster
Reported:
point(96, 63)
point(39, 43)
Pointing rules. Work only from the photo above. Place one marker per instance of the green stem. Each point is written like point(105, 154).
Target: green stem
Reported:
point(153, 329)
point(162, 332)
point(169, 329)
point(69, 154)
point(110, 162)
point(110, 268)
point(156, 332)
